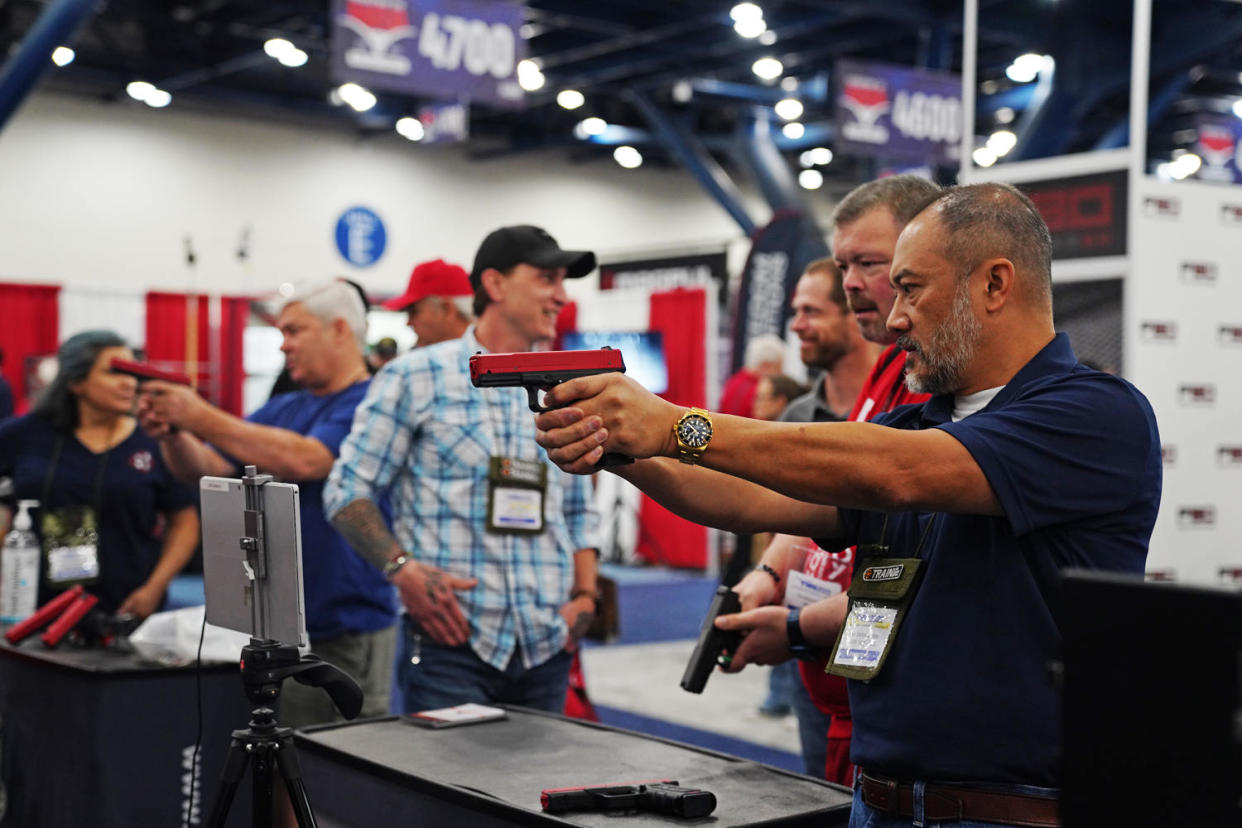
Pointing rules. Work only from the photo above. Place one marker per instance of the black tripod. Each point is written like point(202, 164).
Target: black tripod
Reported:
point(265, 665)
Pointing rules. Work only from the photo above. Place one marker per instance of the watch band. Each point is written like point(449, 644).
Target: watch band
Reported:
point(798, 645)
point(395, 564)
point(686, 452)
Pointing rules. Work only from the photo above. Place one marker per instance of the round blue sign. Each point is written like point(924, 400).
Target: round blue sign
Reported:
point(360, 236)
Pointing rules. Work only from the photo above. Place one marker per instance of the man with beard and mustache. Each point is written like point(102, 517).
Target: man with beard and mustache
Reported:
point(965, 511)
point(866, 225)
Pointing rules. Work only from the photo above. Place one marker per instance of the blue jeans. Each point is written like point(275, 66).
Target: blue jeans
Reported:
point(445, 676)
point(863, 815)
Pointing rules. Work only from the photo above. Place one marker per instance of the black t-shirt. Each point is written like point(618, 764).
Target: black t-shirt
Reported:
point(136, 488)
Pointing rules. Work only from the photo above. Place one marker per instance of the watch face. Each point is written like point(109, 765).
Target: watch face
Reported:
point(695, 430)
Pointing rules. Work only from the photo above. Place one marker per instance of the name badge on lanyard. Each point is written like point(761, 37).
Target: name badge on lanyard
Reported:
point(70, 546)
point(515, 494)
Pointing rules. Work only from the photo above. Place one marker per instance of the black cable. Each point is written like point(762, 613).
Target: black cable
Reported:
point(198, 734)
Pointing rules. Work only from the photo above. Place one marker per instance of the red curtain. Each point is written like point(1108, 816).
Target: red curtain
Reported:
point(29, 327)
point(166, 342)
point(234, 312)
point(681, 316)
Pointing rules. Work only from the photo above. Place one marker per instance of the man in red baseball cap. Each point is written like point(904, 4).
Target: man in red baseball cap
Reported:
point(438, 301)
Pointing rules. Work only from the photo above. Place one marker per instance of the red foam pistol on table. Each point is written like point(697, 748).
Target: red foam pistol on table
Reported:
point(67, 609)
point(141, 371)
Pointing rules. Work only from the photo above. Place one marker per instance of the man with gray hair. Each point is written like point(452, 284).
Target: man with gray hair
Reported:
point(350, 608)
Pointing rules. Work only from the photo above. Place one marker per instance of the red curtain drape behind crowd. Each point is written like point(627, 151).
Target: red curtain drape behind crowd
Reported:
point(167, 341)
point(29, 327)
point(234, 311)
point(680, 315)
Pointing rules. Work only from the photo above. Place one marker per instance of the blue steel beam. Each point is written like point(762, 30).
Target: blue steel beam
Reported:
point(687, 149)
point(756, 149)
point(1119, 135)
point(55, 27)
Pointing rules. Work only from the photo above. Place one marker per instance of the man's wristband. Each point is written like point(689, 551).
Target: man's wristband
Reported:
point(398, 561)
point(798, 645)
point(765, 568)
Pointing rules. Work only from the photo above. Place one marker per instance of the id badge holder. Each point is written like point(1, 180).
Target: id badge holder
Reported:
point(515, 492)
point(70, 546)
point(880, 594)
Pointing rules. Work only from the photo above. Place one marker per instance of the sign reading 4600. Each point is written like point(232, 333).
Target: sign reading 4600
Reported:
point(451, 41)
point(928, 117)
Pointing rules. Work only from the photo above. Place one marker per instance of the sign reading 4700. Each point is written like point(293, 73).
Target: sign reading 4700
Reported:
point(447, 49)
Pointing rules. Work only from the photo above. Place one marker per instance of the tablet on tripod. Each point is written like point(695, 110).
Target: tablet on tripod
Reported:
point(257, 591)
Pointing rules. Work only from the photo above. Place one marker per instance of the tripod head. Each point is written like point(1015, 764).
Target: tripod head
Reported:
point(266, 664)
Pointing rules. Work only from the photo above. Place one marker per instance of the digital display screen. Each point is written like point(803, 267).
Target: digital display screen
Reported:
point(643, 354)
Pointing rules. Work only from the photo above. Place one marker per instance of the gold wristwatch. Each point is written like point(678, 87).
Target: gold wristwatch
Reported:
point(693, 432)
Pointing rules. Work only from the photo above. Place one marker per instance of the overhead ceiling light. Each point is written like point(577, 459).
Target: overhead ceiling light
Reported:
point(811, 179)
point(1237, 107)
point(294, 58)
point(793, 130)
point(789, 109)
point(1025, 68)
point(1185, 165)
point(63, 55)
point(1001, 142)
point(277, 46)
point(767, 38)
point(820, 155)
point(768, 68)
point(359, 98)
point(139, 90)
point(789, 83)
point(158, 98)
point(1005, 115)
point(530, 76)
point(628, 157)
point(410, 128)
point(746, 11)
point(591, 126)
point(570, 98)
point(683, 91)
point(750, 26)
point(984, 157)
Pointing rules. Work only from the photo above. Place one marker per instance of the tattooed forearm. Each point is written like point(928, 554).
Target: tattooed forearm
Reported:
point(363, 527)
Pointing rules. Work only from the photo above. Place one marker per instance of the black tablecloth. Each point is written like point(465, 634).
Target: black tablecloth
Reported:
point(385, 771)
point(101, 738)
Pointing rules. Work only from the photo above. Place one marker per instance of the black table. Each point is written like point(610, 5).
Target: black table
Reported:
point(386, 771)
point(101, 738)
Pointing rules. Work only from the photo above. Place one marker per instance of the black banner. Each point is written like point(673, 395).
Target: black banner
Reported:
point(1086, 213)
point(779, 254)
point(661, 274)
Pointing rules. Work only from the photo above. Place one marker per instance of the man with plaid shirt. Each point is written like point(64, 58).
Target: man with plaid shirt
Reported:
point(492, 546)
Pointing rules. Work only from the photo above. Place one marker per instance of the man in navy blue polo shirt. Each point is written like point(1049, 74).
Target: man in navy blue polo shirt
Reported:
point(965, 509)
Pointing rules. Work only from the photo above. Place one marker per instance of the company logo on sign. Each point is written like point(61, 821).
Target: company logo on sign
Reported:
point(1161, 207)
point(1161, 575)
point(1229, 575)
point(360, 236)
point(1199, 273)
point(1159, 331)
point(1229, 455)
point(883, 573)
point(380, 25)
point(1196, 517)
point(1204, 395)
point(1231, 214)
point(1168, 454)
point(1230, 334)
point(1216, 145)
point(866, 98)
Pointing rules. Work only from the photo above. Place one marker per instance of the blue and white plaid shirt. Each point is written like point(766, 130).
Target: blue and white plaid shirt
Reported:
point(424, 435)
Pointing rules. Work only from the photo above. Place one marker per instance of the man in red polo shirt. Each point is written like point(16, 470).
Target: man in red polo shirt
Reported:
point(866, 225)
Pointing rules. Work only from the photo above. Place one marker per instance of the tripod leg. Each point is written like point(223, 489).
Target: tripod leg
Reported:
point(291, 770)
point(261, 807)
point(230, 778)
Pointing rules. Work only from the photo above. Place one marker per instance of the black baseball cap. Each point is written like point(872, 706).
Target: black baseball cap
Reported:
point(525, 243)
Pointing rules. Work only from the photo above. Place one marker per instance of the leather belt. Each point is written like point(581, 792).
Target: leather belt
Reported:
point(946, 802)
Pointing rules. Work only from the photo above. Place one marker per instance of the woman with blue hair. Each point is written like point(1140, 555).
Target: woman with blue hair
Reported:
point(110, 516)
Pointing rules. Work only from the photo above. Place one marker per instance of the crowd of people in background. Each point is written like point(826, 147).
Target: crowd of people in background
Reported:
point(448, 532)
